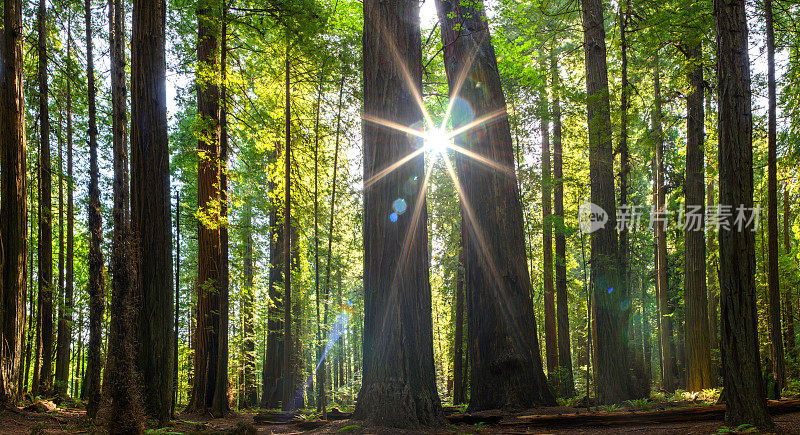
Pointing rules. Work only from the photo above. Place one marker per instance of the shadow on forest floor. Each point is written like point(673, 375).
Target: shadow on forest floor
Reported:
point(681, 419)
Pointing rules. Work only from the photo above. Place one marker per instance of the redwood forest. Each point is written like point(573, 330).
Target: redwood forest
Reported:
point(405, 216)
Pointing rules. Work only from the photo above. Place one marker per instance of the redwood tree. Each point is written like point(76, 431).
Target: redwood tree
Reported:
point(610, 338)
point(96, 274)
point(151, 222)
point(741, 365)
point(775, 337)
point(13, 194)
point(45, 251)
point(398, 387)
point(505, 365)
point(668, 369)
point(210, 279)
point(566, 384)
point(698, 351)
point(551, 347)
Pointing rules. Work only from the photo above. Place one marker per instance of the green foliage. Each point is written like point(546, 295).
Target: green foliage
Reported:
point(745, 428)
point(638, 404)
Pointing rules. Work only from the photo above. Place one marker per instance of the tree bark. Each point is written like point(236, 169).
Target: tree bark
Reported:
point(624, 152)
point(319, 349)
point(503, 344)
point(611, 368)
point(288, 372)
point(209, 271)
point(45, 256)
point(458, 335)
point(789, 339)
point(151, 206)
point(668, 369)
point(271, 373)
point(698, 358)
point(398, 387)
point(177, 301)
point(249, 345)
point(220, 400)
point(322, 400)
point(64, 338)
point(566, 383)
point(62, 345)
point(125, 415)
point(776, 339)
point(96, 283)
point(13, 194)
point(741, 366)
point(712, 269)
point(550, 340)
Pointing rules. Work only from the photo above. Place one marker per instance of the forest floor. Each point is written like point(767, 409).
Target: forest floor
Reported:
point(689, 419)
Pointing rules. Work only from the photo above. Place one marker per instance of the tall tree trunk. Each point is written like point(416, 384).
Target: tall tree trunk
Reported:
point(647, 356)
point(45, 256)
point(64, 339)
point(62, 344)
point(37, 352)
point(668, 369)
point(503, 344)
point(13, 197)
point(775, 337)
point(288, 378)
point(698, 357)
point(550, 344)
point(31, 330)
point(271, 373)
point(566, 383)
point(177, 302)
point(96, 283)
point(80, 386)
point(220, 400)
point(399, 386)
point(316, 230)
point(322, 400)
point(208, 173)
point(624, 152)
point(712, 269)
point(249, 345)
point(458, 335)
point(125, 415)
point(611, 369)
point(790, 341)
point(741, 366)
point(151, 206)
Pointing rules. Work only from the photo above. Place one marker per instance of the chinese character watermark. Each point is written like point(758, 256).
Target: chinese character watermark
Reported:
point(592, 217)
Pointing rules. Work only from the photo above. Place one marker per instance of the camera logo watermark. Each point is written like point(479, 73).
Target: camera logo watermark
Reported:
point(592, 217)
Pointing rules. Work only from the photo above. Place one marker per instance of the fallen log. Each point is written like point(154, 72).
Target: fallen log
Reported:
point(335, 414)
point(697, 413)
point(273, 417)
point(491, 416)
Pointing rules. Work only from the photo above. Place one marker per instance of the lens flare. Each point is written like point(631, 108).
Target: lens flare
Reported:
point(437, 141)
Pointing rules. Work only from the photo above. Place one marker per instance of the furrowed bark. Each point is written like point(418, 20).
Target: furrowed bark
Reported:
point(503, 342)
point(398, 387)
point(610, 326)
point(698, 358)
point(45, 251)
point(566, 384)
point(741, 365)
point(96, 274)
point(14, 198)
point(151, 207)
